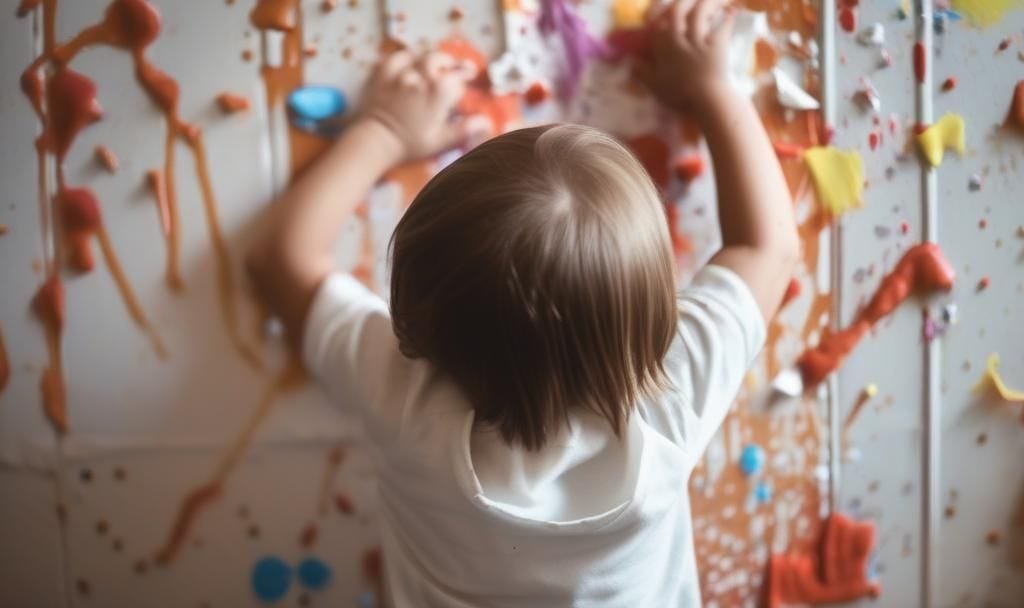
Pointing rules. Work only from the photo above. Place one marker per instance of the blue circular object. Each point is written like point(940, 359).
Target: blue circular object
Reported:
point(752, 459)
point(314, 574)
point(271, 578)
point(317, 102)
point(762, 492)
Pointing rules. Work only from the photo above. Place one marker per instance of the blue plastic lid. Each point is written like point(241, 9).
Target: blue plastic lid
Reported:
point(317, 102)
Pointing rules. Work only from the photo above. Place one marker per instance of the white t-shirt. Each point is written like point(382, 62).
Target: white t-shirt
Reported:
point(590, 520)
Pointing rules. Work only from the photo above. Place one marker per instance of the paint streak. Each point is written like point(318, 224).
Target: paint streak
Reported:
point(920, 61)
point(923, 268)
point(201, 496)
point(836, 572)
point(70, 106)
point(48, 305)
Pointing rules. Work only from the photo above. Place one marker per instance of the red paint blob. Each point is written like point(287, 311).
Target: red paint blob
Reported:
point(873, 139)
point(920, 61)
point(923, 268)
point(690, 167)
point(131, 24)
point(48, 303)
point(949, 84)
point(792, 292)
point(653, 153)
point(1015, 117)
point(536, 94)
point(848, 19)
point(71, 106)
point(836, 572)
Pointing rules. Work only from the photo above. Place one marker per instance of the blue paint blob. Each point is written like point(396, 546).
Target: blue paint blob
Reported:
point(316, 102)
point(271, 578)
point(314, 574)
point(366, 600)
point(752, 459)
point(762, 492)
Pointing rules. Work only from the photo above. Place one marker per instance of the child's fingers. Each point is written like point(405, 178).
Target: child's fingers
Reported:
point(678, 14)
point(700, 18)
point(434, 64)
point(450, 88)
point(469, 130)
point(724, 31)
point(395, 63)
point(412, 79)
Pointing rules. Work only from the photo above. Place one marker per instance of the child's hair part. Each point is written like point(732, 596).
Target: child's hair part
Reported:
point(536, 272)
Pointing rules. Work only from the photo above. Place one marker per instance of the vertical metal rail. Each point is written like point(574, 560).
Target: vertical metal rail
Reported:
point(827, 69)
point(932, 406)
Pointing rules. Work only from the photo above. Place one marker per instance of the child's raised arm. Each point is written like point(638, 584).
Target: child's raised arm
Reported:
point(755, 209)
point(407, 115)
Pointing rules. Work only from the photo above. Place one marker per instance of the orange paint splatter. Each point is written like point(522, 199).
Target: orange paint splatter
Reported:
point(836, 572)
point(230, 103)
point(689, 167)
point(199, 498)
point(923, 268)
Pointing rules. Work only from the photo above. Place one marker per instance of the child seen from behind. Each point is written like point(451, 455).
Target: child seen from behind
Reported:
point(536, 392)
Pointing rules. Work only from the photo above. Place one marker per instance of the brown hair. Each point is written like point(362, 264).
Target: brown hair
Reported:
point(536, 271)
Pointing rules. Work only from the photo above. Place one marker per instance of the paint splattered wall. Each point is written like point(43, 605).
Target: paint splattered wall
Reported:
point(158, 448)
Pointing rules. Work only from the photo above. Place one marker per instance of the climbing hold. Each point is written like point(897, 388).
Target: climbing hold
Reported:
point(314, 574)
point(949, 84)
point(231, 103)
point(974, 183)
point(752, 459)
point(838, 178)
point(271, 578)
point(762, 492)
point(790, 95)
point(983, 283)
point(992, 379)
point(867, 96)
point(870, 390)
point(947, 132)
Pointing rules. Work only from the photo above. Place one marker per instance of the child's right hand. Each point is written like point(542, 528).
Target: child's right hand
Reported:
point(690, 63)
point(414, 98)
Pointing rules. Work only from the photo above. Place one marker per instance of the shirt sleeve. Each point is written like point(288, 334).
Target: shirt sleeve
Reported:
point(719, 334)
point(349, 347)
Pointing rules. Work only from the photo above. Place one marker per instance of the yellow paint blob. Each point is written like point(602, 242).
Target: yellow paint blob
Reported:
point(947, 132)
point(629, 14)
point(991, 380)
point(984, 13)
point(838, 178)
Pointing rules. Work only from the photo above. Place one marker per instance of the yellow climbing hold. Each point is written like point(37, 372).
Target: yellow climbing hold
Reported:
point(984, 13)
point(992, 380)
point(838, 178)
point(629, 14)
point(947, 132)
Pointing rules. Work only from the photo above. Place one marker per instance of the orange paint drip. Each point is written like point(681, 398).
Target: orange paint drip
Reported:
point(199, 498)
point(196, 500)
point(923, 268)
point(836, 572)
point(156, 184)
point(48, 304)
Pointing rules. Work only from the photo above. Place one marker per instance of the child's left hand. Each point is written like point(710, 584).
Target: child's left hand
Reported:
point(415, 98)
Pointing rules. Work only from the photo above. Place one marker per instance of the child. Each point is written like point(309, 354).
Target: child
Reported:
point(538, 393)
